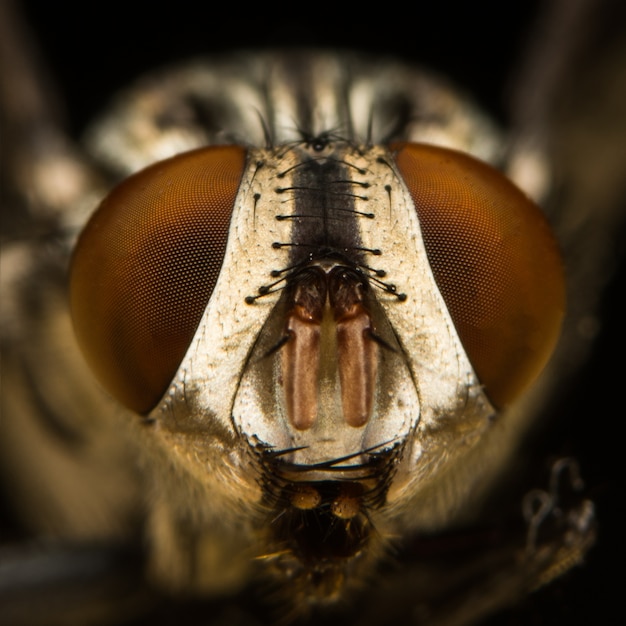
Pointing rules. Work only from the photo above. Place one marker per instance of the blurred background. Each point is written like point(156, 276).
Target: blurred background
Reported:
point(93, 49)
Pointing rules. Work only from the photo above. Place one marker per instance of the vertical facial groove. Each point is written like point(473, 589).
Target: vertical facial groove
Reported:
point(329, 336)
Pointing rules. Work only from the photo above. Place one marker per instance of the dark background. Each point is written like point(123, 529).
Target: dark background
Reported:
point(95, 48)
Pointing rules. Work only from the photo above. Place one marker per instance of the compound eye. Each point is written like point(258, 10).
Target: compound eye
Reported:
point(145, 266)
point(495, 261)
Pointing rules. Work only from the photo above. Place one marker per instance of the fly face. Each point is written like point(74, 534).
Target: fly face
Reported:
point(318, 331)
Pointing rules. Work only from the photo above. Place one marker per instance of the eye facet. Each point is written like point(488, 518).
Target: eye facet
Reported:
point(145, 266)
point(495, 262)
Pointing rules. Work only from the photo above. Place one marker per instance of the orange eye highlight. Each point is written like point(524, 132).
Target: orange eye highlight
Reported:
point(495, 261)
point(145, 267)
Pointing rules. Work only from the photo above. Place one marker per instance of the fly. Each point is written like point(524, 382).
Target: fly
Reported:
point(320, 317)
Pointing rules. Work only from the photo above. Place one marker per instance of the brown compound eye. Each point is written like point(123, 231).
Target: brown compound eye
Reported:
point(495, 261)
point(145, 266)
